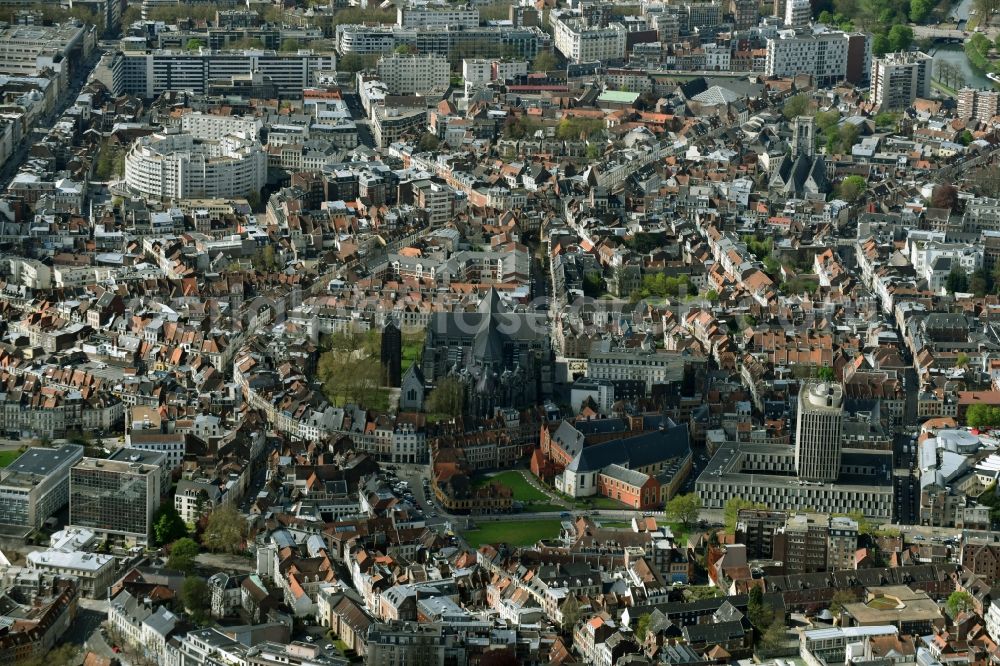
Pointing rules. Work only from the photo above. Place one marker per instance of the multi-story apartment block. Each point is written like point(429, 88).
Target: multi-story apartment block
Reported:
point(150, 73)
point(842, 543)
point(390, 124)
point(981, 105)
point(481, 42)
point(745, 13)
point(801, 544)
point(436, 199)
point(899, 78)
point(824, 55)
point(702, 14)
point(580, 42)
point(425, 15)
point(208, 126)
point(798, 13)
point(413, 74)
point(180, 166)
point(756, 529)
point(27, 49)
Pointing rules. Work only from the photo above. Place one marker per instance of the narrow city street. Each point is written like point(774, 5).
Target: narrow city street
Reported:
point(81, 72)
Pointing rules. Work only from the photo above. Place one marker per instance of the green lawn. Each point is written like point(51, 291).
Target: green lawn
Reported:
point(882, 603)
point(698, 592)
point(523, 491)
point(379, 401)
point(615, 524)
point(413, 346)
point(599, 502)
point(7, 457)
point(516, 533)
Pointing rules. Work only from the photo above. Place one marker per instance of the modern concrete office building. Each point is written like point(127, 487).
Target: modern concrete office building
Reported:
point(114, 498)
point(818, 431)
point(36, 485)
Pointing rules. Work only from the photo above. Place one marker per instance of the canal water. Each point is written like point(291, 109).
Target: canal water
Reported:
point(954, 54)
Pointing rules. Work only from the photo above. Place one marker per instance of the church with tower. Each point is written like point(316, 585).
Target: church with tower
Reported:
point(500, 354)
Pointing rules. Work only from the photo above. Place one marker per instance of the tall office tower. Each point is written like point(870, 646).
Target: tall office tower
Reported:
point(392, 353)
point(114, 498)
point(804, 136)
point(817, 431)
point(798, 13)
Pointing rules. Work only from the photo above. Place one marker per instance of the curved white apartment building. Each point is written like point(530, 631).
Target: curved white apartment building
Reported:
point(178, 166)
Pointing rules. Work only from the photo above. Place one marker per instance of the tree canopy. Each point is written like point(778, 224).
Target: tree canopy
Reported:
point(660, 285)
point(351, 370)
point(684, 509)
point(225, 531)
point(958, 602)
point(428, 142)
point(168, 526)
point(851, 188)
point(545, 61)
point(957, 280)
point(982, 416)
point(447, 398)
point(197, 599)
point(796, 105)
point(840, 598)
point(944, 195)
point(183, 554)
point(642, 627)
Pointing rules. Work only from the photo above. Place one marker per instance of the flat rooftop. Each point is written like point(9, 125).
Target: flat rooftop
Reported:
point(893, 604)
point(728, 463)
point(140, 456)
point(116, 466)
point(74, 560)
point(39, 461)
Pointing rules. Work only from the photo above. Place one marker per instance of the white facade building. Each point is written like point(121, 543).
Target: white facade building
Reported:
point(208, 126)
point(150, 73)
point(477, 70)
point(650, 368)
point(822, 55)
point(900, 78)
point(95, 572)
point(717, 58)
point(413, 74)
point(993, 620)
point(582, 43)
point(798, 13)
point(424, 15)
point(178, 166)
